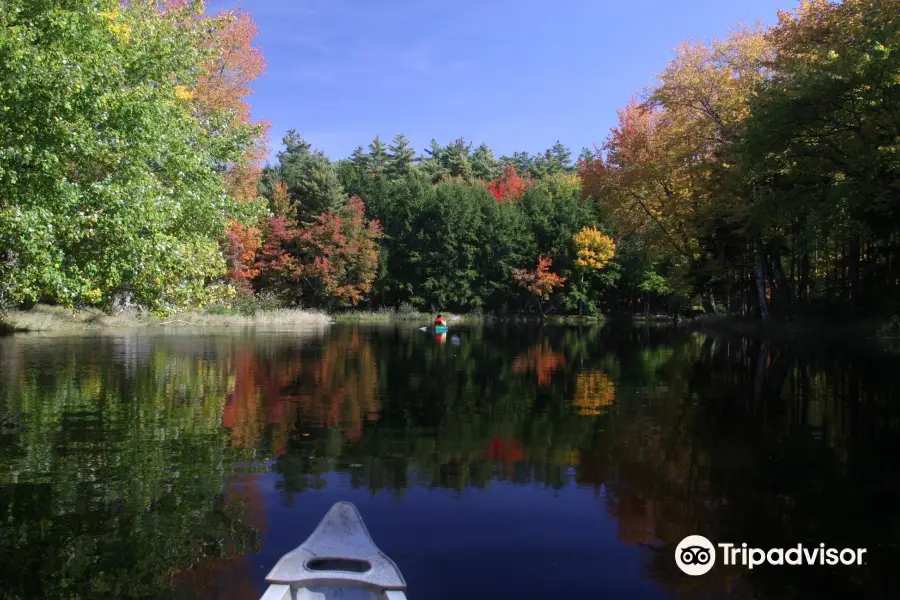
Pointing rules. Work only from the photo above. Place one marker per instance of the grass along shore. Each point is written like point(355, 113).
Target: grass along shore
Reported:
point(44, 318)
point(57, 318)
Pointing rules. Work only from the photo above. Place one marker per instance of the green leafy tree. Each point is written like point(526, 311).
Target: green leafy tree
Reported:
point(109, 175)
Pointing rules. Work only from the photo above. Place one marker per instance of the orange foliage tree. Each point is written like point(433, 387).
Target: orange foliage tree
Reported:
point(221, 89)
point(541, 282)
point(243, 243)
point(509, 187)
point(335, 258)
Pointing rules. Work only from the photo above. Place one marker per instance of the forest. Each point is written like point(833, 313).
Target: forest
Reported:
point(759, 176)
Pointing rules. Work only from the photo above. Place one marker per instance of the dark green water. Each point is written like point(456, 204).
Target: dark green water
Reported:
point(504, 463)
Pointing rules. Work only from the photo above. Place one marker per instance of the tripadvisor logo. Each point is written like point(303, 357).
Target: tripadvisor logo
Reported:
point(696, 555)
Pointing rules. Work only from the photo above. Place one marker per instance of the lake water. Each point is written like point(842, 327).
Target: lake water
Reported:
point(497, 462)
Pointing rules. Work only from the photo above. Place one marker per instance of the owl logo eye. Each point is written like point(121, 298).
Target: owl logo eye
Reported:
point(695, 555)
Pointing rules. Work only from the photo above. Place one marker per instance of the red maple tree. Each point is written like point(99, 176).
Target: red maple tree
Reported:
point(333, 258)
point(509, 187)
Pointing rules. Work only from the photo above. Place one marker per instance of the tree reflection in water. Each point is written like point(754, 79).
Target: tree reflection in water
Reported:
point(128, 464)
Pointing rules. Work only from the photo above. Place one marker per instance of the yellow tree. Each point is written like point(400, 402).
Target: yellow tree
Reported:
point(657, 175)
point(593, 250)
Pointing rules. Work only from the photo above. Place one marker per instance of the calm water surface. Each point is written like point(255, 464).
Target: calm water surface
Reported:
point(505, 462)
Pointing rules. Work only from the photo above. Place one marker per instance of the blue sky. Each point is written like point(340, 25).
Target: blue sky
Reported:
point(517, 75)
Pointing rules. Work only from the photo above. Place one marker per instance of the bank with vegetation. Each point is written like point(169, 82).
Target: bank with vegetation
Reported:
point(758, 178)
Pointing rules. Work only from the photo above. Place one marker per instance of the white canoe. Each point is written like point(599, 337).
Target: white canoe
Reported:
point(338, 560)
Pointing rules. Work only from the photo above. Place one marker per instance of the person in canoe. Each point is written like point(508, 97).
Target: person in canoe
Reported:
point(440, 329)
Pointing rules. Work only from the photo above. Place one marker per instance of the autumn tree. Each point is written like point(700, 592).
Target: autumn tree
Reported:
point(820, 157)
point(276, 265)
point(509, 187)
point(243, 243)
point(332, 261)
point(280, 204)
point(224, 86)
point(541, 282)
point(660, 173)
point(593, 250)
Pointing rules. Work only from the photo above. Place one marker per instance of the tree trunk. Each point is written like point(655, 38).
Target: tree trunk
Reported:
point(581, 300)
point(781, 293)
point(803, 293)
point(853, 271)
point(761, 303)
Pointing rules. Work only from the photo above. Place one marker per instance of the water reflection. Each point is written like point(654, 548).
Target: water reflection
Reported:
point(162, 464)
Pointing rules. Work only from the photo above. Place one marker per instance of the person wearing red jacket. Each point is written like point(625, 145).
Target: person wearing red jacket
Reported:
point(440, 320)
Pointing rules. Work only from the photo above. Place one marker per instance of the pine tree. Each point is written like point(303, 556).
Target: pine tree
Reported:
point(521, 161)
point(456, 159)
point(560, 158)
point(484, 165)
point(311, 180)
point(360, 160)
point(378, 156)
point(400, 157)
point(540, 165)
point(431, 163)
point(295, 149)
point(586, 156)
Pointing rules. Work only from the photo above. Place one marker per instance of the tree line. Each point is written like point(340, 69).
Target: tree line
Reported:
point(759, 176)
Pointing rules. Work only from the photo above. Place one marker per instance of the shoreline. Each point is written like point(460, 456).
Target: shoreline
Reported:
point(45, 318)
point(872, 333)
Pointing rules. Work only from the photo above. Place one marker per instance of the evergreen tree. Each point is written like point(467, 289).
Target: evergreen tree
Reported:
point(484, 165)
point(522, 162)
point(540, 165)
point(400, 157)
point(456, 159)
point(360, 160)
point(432, 163)
point(586, 155)
point(312, 181)
point(378, 156)
point(560, 158)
